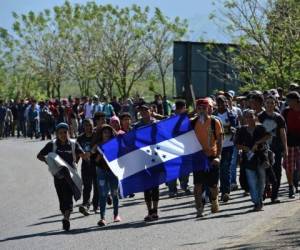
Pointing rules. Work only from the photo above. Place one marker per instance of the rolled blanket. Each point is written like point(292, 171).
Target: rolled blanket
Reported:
point(61, 169)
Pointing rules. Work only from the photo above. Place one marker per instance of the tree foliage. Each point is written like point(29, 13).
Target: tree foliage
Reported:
point(267, 35)
point(88, 45)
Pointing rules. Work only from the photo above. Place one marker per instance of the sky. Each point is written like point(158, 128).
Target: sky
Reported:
point(195, 11)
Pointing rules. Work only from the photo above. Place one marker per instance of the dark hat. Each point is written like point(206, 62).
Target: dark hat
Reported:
point(88, 121)
point(293, 95)
point(144, 106)
point(98, 115)
point(123, 115)
point(62, 125)
point(221, 98)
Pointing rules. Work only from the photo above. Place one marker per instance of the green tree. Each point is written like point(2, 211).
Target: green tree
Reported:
point(161, 33)
point(268, 41)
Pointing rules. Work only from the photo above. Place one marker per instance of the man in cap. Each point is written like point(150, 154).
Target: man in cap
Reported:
point(68, 152)
point(209, 133)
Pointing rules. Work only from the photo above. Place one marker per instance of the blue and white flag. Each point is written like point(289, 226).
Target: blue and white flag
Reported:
point(154, 154)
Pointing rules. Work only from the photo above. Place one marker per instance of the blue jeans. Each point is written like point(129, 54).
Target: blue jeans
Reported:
point(225, 174)
point(256, 181)
point(107, 181)
point(233, 165)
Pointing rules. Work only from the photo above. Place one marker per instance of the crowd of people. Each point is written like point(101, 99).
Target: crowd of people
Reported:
point(259, 132)
point(32, 118)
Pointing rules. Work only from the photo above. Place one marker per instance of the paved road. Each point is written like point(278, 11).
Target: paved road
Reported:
point(30, 218)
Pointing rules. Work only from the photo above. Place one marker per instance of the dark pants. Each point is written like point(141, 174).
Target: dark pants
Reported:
point(152, 194)
point(277, 168)
point(225, 173)
point(172, 185)
point(2, 127)
point(45, 129)
point(65, 195)
point(243, 178)
point(33, 128)
point(21, 127)
point(89, 181)
point(13, 127)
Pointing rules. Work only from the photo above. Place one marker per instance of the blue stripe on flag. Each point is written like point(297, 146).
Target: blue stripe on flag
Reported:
point(144, 136)
point(164, 172)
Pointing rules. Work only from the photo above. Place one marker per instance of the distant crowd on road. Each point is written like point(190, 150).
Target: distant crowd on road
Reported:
point(33, 118)
point(259, 132)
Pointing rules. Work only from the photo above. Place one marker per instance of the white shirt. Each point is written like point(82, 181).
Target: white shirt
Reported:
point(88, 108)
point(226, 125)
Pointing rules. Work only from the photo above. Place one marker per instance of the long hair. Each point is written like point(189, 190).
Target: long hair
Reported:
point(98, 138)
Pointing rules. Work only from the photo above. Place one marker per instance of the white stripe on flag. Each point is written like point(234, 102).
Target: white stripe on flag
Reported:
point(152, 155)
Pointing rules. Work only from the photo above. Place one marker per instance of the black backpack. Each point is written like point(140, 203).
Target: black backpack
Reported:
point(212, 124)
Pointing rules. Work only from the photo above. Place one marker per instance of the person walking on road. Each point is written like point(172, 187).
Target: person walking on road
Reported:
point(63, 147)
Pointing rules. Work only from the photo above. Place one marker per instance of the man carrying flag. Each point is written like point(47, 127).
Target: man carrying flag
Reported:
point(209, 133)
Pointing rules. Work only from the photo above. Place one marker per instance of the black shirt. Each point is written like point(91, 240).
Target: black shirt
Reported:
point(85, 142)
point(245, 138)
point(63, 150)
point(273, 124)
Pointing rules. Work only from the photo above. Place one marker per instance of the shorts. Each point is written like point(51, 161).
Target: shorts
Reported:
point(293, 160)
point(211, 178)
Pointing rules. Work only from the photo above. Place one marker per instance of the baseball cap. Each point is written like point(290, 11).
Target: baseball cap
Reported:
point(62, 125)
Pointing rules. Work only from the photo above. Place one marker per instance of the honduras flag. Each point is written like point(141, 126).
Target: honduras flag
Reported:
point(154, 154)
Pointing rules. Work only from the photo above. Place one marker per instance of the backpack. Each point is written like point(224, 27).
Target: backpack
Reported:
point(212, 124)
point(73, 145)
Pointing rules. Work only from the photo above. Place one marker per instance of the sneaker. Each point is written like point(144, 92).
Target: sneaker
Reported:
point(84, 211)
point(258, 207)
point(225, 197)
point(234, 187)
point(154, 216)
point(172, 194)
point(291, 192)
point(215, 206)
point(109, 200)
point(66, 224)
point(148, 217)
point(200, 212)
point(117, 218)
point(188, 192)
point(101, 223)
point(96, 210)
point(275, 201)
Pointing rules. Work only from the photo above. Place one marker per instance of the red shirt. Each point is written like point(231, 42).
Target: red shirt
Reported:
point(293, 127)
point(293, 121)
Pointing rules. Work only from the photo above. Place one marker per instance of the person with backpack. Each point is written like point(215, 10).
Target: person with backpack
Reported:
point(229, 122)
point(209, 133)
point(107, 109)
point(69, 151)
point(45, 121)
